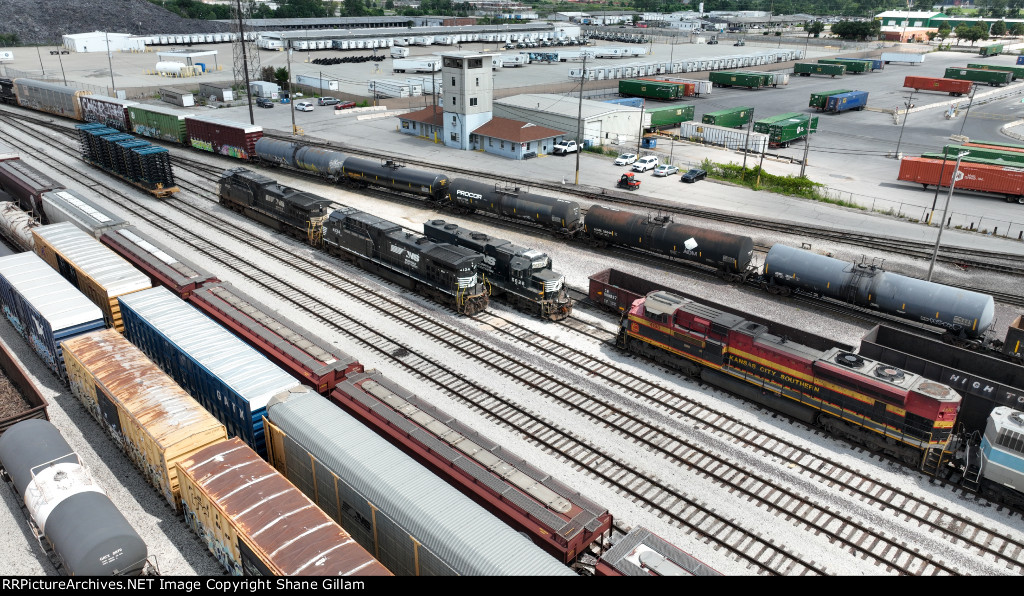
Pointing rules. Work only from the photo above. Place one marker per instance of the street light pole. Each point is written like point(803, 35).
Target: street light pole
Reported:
point(746, 143)
point(579, 119)
point(974, 88)
point(291, 93)
point(952, 183)
point(909, 103)
point(110, 64)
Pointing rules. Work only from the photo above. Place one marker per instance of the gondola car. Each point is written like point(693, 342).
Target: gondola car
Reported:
point(876, 405)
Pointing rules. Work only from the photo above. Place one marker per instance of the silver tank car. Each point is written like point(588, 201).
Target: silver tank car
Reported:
point(728, 253)
point(318, 160)
point(556, 214)
point(87, 532)
point(959, 311)
point(393, 175)
point(280, 153)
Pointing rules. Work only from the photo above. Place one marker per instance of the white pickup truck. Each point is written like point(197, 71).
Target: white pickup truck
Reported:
point(565, 147)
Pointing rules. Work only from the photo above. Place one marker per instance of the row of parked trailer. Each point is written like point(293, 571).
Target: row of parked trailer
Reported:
point(642, 69)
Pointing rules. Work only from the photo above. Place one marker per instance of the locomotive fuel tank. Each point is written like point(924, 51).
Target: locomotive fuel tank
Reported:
point(724, 251)
point(277, 152)
point(959, 311)
point(396, 176)
point(558, 214)
point(87, 532)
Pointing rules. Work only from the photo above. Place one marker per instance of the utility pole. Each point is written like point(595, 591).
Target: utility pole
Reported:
point(41, 69)
point(746, 144)
point(579, 119)
point(62, 68)
point(909, 104)
point(807, 148)
point(942, 224)
point(974, 88)
point(110, 64)
point(640, 137)
point(245, 63)
point(291, 95)
point(938, 185)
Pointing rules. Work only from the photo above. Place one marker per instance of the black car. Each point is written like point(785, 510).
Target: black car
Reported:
point(694, 175)
point(263, 102)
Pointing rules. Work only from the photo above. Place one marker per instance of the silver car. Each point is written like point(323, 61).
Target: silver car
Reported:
point(665, 170)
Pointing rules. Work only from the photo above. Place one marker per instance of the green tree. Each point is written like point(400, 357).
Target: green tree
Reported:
point(944, 31)
point(267, 74)
point(390, 4)
point(814, 28)
point(355, 8)
point(1017, 29)
point(998, 28)
point(281, 76)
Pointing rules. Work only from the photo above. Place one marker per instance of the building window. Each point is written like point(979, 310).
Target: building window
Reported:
point(490, 142)
point(453, 120)
point(472, 101)
point(502, 144)
point(455, 136)
point(453, 81)
point(455, 101)
point(405, 124)
point(478, 81)
point(528, 146)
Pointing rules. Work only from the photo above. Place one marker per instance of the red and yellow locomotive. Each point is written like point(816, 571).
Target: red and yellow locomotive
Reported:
point(872, 404)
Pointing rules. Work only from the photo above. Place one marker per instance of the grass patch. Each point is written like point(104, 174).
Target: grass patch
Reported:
point(757, 179)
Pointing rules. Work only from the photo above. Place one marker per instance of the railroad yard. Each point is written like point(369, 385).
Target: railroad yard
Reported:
point(745, 490)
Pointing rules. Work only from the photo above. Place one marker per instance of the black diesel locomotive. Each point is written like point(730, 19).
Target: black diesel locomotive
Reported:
point(443, 272)
point(522, 276)
point(297, 213)
point(440, 271)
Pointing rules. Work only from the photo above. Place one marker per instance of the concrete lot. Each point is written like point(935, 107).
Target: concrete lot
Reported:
point(852, 153)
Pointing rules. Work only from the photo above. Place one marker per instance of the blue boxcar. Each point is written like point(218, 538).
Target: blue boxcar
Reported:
point(44, 307)
point(232, 380)
point(633, 102)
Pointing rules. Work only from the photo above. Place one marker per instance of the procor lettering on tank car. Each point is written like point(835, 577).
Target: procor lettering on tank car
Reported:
point(965, 315)
point(443, 272)
point(559, 215)
point(863, 401)
point(297, 213)
point(393, 175)
point(523, 277)
point(728, 254)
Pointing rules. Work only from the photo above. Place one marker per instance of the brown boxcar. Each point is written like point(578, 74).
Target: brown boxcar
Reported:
point(257, 523)
point(1008, 182)
point(954, 87)
point(162, 265)
point(233, 139)
point(100, 273)
point(150, 416)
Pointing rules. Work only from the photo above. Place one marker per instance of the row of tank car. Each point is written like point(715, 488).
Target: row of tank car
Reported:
point(965, 316)
point(283, 395)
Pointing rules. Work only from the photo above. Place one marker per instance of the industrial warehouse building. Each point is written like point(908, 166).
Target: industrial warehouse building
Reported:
point(601, 123)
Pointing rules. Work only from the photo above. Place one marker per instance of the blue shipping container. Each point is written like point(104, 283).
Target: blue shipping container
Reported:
point(842, 102)
point(231, 379)
point(1020, 59)
point(633, 102)
point(44, 307)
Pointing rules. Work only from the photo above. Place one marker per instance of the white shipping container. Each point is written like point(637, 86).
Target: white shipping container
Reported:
point(426, 84)
point(700, 87)
point(317, 83)
point(508, 60)
point(416, 65)
point(730, 138)
point(398, 52)
point(390, 88)
point(902, 57)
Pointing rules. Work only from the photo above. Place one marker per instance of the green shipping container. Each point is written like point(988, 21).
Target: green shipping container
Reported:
point(806, 69)
point(818, 100)
point(1016, 71)
point(786, 128)
point(731, 118)
point(857, 66)
point(767, 78)
point(994, 78)
point(971, 158)
point(671, 116)
point(984, 153)
point(870, 64)
point(157, 122)
point(722, 78)
point(652, 89)
point(992, 50)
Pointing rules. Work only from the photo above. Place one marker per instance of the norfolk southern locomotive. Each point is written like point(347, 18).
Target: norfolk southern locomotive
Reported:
point(523, 276)
point(441, 271)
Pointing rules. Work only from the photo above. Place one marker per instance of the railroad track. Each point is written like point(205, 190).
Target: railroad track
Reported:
point(994, 261)
point(669, 502)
